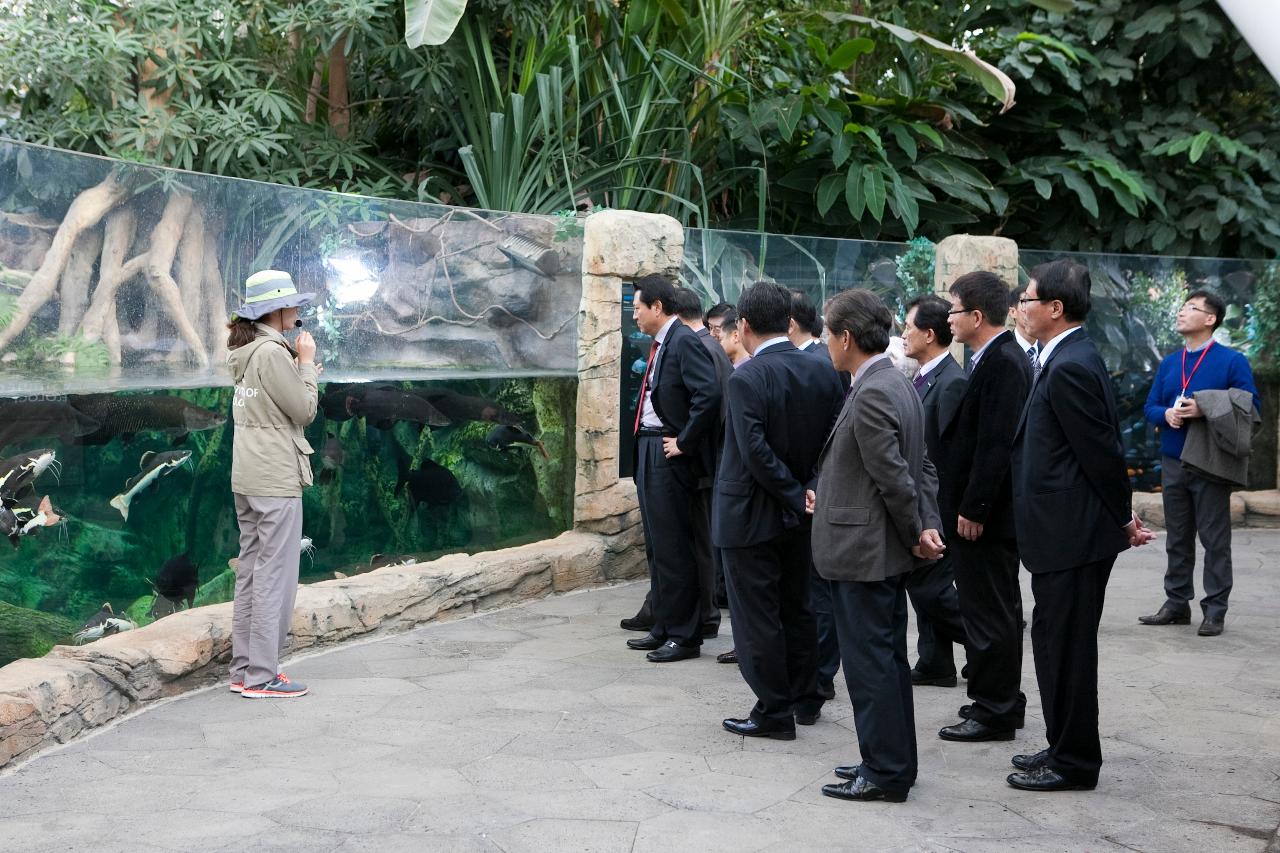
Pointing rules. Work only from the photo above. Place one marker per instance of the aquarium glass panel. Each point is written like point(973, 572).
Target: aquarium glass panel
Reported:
point(116, 275)
point(447, 400)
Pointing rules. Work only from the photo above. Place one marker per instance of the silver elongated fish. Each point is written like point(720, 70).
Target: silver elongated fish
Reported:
point(152, 466)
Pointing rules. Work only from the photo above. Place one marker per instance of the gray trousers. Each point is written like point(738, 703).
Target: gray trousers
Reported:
point(266, 584)
point(1194, 505)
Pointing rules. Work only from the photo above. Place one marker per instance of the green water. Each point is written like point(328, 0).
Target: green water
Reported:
point(491, 497)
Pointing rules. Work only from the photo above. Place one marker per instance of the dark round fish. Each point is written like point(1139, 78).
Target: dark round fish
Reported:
point(431, 483)
point(178, 579)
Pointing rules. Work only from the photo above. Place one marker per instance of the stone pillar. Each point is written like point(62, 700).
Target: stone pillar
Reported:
point(964, 253)
point(618, 246)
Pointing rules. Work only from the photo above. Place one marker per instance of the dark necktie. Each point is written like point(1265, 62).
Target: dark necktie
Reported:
point(644, 386)
point(920, 380)
point(1031, 354)
point(1036, 367)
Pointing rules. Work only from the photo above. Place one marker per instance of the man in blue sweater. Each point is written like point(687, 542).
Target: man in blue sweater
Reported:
point(1193, 503)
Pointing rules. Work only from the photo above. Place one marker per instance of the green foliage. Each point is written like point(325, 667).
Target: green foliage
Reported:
point(1154, 304)
point(915, 269)
point(1264, 321)
point(1139, 126)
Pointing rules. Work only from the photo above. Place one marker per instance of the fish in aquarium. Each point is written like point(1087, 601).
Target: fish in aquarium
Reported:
point(18, 474)
point(382, 561)
point(430, 483)
point(332, 456)
point(151, 467)
point(126, 415)
point(175, 584)
point(333, 402)
point(25, 420)
point(382, 407)
point(460, 408)
point(33, 514)
point(104, 623)
point(503, 437)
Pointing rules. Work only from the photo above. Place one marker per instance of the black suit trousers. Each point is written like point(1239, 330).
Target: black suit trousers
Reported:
point(986, 574)
point(1064, 640)
point(825, 621)
point(773, 627)
point(670, 504)
point(932, 592)
point(872, 619)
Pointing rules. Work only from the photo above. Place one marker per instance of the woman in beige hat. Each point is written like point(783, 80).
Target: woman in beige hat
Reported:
point(275, 398)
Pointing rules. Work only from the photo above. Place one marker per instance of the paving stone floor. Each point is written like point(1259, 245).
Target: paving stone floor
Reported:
point(534, 728)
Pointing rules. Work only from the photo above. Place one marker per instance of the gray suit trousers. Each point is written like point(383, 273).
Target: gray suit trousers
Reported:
point(266, 585)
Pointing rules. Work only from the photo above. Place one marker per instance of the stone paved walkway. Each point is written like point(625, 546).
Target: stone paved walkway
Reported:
point(535, 729)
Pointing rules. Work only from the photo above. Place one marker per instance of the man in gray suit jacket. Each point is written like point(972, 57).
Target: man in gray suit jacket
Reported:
point(875, 519)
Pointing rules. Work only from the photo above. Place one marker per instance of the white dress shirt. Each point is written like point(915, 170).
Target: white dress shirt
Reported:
point(648, 417)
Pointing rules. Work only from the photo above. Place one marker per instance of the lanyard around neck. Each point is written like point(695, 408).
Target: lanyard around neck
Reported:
point(1186, 380)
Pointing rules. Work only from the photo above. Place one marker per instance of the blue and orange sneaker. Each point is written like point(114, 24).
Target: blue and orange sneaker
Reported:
point(279, 687)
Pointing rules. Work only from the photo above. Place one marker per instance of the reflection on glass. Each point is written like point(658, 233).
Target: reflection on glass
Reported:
point(117, 275)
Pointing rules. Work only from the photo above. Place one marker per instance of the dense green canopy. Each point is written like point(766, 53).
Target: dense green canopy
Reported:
point(1138, 125)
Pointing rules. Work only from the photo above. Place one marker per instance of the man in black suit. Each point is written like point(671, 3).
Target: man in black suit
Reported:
point(781, 404)
point(940, 382)
point(976, 493)
point(676, 421)
point(1073, 513)
point(710, 574)
point(804, 331)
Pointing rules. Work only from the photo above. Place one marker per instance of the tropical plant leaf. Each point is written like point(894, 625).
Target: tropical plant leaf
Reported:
point(995, 82)
point(431, 22)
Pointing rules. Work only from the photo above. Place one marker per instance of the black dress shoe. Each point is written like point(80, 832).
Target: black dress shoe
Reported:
point(924, 679)
point(964, 672)
point(827, 690)
point(647, 643)
point(672, 651)
point(807, 716)
point(1210, 627)
point(1045, 778)
point(1030, 761)
point(973, 731)
point(1167, 615)
point(862, 790)
point(758, 728)
point(966, 713)
point(848, 771)
point(730, 656)
point(635, 623)
point(710, 632)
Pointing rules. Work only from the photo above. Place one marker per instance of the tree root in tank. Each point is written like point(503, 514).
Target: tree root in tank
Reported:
point(85, 213)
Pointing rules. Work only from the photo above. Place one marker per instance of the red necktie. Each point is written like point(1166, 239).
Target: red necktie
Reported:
point(644, 386)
